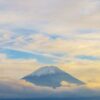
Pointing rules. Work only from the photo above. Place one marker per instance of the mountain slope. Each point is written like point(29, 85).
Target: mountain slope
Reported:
point(51, 76)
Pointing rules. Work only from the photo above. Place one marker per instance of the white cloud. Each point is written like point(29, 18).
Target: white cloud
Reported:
point(2, 56)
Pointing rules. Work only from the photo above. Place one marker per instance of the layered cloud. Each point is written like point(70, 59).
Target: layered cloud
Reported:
point(23, 89)
point(77, 54)
point(57, 32)
point(51, 16)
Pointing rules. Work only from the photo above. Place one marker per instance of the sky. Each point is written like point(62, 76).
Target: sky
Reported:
point(62, 33)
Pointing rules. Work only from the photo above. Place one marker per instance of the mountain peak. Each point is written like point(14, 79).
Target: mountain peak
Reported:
point(51, 76)
point(46, 70)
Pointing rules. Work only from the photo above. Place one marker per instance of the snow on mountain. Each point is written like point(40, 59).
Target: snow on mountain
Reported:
point(46, 70)
point(51, 76)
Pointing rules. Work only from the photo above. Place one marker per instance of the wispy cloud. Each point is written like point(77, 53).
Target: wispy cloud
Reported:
point(51, 31)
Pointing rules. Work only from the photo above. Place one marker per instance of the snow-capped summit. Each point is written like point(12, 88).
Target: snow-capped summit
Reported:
point(51, 76)
point(46, 70)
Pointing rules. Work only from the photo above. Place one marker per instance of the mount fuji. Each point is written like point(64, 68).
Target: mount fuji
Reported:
point(51, 76)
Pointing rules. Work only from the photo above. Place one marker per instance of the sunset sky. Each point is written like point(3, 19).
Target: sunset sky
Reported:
point(63, 33)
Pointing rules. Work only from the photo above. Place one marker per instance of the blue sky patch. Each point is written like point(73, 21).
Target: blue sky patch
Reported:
point(14, 54)
point(85, 57)
point(25, 31)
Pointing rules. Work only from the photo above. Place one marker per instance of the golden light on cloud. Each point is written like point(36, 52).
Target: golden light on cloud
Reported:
point(87, 71)
point(17, 68)
point(62, 33)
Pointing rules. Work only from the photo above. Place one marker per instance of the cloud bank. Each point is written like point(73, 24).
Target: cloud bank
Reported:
point(23, 89)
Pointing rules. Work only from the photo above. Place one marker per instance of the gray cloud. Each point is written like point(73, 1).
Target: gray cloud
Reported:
point(22, 89)
point(52, 16)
